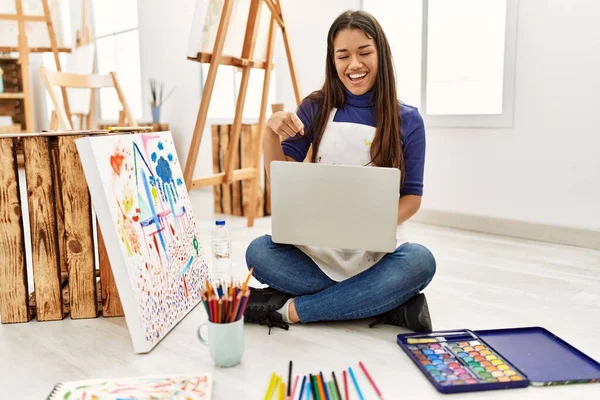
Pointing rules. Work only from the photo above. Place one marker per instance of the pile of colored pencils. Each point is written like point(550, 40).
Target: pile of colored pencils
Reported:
point(225, 302)
point(316, 387)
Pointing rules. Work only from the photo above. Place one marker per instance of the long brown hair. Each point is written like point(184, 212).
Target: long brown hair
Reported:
point(386, 150)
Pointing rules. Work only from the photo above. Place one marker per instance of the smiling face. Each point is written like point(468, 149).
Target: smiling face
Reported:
point(355, 59)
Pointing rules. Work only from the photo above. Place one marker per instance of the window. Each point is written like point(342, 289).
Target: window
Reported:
point(118, 50)
point(453, 59)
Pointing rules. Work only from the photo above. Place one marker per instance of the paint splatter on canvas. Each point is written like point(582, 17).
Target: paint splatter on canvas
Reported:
point(150, 213)
point(193, 387)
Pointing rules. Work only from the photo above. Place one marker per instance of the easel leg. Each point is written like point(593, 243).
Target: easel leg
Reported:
point(190, 163)
point(255, 182)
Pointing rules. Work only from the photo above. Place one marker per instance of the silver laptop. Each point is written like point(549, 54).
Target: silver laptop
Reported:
point(344, 207)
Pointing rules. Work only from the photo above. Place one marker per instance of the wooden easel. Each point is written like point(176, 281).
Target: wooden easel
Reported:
point(246, 62)
point(23, 49)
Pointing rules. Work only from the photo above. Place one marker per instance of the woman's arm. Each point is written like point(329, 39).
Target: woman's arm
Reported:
point(408, 205)
point(273, 150)
point(281, 125)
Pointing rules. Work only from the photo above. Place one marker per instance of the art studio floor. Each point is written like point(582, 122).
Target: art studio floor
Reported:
point(482, 282)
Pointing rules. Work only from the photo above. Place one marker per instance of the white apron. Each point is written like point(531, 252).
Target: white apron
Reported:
point(344, 143)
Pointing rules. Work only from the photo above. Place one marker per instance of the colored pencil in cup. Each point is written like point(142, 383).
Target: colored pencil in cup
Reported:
point(236, 307)
point(360, 395)
point(362, 366)
point(247, 279)
point(243, 305)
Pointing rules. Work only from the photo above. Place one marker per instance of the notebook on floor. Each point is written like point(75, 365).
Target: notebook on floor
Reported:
point(193, 387)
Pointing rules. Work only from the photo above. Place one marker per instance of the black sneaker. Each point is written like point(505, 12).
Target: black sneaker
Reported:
point(262, 306)
point(413, 314)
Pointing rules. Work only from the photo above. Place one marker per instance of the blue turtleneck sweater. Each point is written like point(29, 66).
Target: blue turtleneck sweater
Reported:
point(361, 110)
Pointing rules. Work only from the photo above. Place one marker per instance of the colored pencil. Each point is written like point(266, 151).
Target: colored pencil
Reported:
point(236, 306)
point(205, 302)
point(213, 309)
point(346, 393)
point(291, 396)
point(271, 386)
point(243, 305)
point(337, 388)
point(220, 312)
point(302, 387)
point(360, 395)
point(323, 385)
point(289, 378)
point(281, 390)
point(332, 392)
point(362, 366)
point(308, 391)
point(225, 303)
point(314, 386)
point(320, 387)
point(247, 279)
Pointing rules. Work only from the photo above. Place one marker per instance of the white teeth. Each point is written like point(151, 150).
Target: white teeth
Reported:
point(357, 76)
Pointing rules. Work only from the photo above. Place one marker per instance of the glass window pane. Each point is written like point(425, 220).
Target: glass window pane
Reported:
point(104, 17)
point(127, 15)
point(109, 105)
point(402, 23)
point(127, 52)
point(465, 57)
point(105, 48)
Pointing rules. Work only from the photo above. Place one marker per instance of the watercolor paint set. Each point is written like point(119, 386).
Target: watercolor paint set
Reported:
point(465, 360)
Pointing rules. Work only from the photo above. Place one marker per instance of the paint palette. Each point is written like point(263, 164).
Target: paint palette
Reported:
point(465, 361)
point(461, 362)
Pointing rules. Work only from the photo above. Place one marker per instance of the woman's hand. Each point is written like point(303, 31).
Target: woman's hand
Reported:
point(285, 124)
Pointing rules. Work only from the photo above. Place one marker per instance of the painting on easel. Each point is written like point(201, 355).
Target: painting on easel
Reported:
point(37, 31)
point(144, 211)
point(206, 23)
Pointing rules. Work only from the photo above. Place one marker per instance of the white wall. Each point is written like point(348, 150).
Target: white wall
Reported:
point(164, 32)
point(546, 168)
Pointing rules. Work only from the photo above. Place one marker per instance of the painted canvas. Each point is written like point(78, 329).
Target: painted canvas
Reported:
point(144, 211)
point(193, 387)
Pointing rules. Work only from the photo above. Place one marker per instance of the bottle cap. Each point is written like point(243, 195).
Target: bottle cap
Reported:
point(220, 222)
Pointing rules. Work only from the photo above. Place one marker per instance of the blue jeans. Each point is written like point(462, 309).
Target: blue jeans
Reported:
point(389, 283)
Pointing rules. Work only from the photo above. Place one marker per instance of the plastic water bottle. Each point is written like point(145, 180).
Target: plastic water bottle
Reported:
point(221, 249)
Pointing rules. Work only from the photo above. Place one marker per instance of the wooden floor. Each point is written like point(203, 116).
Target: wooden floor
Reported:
point(482, 281)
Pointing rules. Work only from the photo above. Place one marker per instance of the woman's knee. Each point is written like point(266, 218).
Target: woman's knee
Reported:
point(424, 258)
point(420, 263)
point(257, 252)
